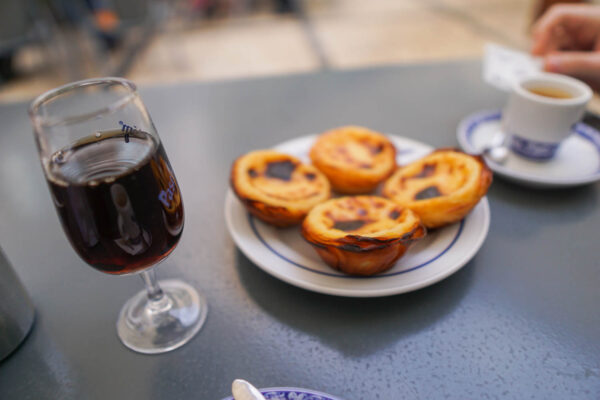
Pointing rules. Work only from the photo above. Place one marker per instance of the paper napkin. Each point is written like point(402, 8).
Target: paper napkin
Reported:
point(503, 66)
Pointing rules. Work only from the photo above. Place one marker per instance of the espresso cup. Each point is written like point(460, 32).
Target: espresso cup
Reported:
point(541, 112)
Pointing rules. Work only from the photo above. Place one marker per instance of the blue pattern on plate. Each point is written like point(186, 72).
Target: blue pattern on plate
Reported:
point(285, 395)
point(292, 394)
point(340, 275)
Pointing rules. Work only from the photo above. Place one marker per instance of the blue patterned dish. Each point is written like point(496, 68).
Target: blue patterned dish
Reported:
point(577, 159)
point(281, 393)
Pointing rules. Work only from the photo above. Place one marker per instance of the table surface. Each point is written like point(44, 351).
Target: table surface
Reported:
point(520, 321)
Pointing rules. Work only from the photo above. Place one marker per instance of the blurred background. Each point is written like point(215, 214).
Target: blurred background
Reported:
point(45, 43)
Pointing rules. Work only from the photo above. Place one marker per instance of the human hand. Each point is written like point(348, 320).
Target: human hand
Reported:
point(568, 37)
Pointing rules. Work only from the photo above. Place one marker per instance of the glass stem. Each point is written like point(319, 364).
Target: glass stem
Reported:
point(155, 293)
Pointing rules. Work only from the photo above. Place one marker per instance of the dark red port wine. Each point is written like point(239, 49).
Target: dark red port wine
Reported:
point(118, 200)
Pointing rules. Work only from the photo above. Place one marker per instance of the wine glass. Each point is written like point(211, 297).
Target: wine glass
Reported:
point(118, 201)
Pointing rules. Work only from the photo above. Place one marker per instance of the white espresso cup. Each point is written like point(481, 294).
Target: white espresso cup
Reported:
point(541, 112)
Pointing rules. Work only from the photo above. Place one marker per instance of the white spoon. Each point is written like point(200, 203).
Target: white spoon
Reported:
point(496, 149)
point(243, 390)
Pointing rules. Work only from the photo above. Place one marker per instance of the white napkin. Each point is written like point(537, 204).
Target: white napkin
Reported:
point(503, 66)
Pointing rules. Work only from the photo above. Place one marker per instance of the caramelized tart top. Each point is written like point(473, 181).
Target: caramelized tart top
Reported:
point(355, 148)
point(444, 172)
point(372, 220)
point(278, 179)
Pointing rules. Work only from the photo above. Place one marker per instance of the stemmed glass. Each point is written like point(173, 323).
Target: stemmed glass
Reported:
point(118, 201)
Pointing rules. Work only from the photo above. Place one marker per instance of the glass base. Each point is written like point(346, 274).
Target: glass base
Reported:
point(163, 324)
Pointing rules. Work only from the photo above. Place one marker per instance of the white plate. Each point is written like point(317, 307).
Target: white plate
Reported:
point(577, 161)
point(284, 254)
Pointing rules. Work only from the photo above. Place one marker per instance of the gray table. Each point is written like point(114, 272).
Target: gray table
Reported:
point(520, 321)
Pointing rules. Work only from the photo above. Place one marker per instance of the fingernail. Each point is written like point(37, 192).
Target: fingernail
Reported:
point(552, 64)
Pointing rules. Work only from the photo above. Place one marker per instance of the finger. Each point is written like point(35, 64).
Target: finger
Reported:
point(571, 62)
point(558, 39)
point(556, 29)
point(544, 31)
point(582, 65)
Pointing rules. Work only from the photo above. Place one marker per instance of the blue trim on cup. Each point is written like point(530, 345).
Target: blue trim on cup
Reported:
point(264, 242)
point(532, 149)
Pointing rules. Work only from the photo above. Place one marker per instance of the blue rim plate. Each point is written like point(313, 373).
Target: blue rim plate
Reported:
point(284, 254)
point(290, 393)
point(577, 161)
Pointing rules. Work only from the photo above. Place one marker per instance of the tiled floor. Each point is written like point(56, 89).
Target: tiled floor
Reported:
point(228, 49)
point(329, 34)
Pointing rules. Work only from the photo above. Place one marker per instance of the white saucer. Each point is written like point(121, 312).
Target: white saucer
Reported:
point(284, 254)
point(577, 161)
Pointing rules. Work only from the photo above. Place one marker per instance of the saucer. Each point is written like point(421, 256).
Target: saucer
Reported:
point(577, 160)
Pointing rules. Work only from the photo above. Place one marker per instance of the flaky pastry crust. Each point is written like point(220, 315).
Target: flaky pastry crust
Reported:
point(442, 187)
point(361, 235)
point(277, 188)
point(354, 159)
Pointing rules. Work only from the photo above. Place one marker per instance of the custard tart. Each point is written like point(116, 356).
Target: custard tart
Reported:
point(354, 159)
point(442, 187)
point(361, 235)
point(277, 188)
